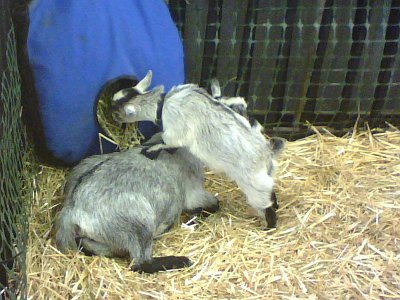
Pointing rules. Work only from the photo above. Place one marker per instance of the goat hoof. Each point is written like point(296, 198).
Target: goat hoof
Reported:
point(275, 206)
point(274, 200)
point(270, 217)
point(201, 212)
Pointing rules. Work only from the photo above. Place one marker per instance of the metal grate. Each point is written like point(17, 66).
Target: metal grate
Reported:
point(13, 173)
point(325, 62)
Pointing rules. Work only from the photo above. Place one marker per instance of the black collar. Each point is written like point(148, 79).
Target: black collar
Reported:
point(160, 106)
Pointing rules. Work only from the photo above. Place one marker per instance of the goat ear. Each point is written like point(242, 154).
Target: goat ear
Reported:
point(215, 88)
point(118, 96)
point(277, 145)
point(129, 110)
point(257, 126)
point(144, 84)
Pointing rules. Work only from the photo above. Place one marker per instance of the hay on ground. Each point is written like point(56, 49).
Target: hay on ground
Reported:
point(338, 235)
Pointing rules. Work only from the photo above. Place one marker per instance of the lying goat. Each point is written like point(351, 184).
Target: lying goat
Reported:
point(115, 204)
point(215, 134)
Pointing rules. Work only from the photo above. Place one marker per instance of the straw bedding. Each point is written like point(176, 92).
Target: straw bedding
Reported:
point(338, 235)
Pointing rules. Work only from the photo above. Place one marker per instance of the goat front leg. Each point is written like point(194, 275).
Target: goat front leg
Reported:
point(162, 146)
point(274, 200)
point(270, 217)
point(260, 195)
point(140, 250)
point(153, 147)
point(202, 212)
point(158, 147)
point(199, 202)
point(153, 154)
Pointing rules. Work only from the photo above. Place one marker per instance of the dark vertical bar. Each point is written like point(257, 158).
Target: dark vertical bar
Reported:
point(302, 55)
point(177, 9)
point(195, 28)
point(335, 58)
point(349, 97)
point(211, 42)
point(378, 15)
point(273, 118)
point(231, 35)
point(392, 100)
point(269, 37)
point(246, 51)
point(386, 103)
point(318, 80)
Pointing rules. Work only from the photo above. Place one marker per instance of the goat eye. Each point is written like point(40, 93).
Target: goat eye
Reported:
point(129, 110)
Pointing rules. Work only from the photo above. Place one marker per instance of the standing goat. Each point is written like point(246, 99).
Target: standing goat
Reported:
point(219, 137)
point(115, 204)
point(239, 105)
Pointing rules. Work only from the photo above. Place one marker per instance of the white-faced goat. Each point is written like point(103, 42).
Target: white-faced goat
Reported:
point(115, 204)
point(219, 137)
point(239, 105)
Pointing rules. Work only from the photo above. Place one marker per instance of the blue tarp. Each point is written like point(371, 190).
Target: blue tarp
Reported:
point(75, 47)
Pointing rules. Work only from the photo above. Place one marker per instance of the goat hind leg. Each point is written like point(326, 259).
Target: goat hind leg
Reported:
point(140, 250)
point(90, 247)
point(162, 263)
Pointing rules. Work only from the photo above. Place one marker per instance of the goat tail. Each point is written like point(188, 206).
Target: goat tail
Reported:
point(66, 232)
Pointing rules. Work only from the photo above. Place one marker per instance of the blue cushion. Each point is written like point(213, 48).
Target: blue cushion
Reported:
point(75, 47)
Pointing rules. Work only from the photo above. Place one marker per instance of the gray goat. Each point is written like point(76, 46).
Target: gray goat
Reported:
point(219, 137)
point(116, 204)
point(239, 105)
